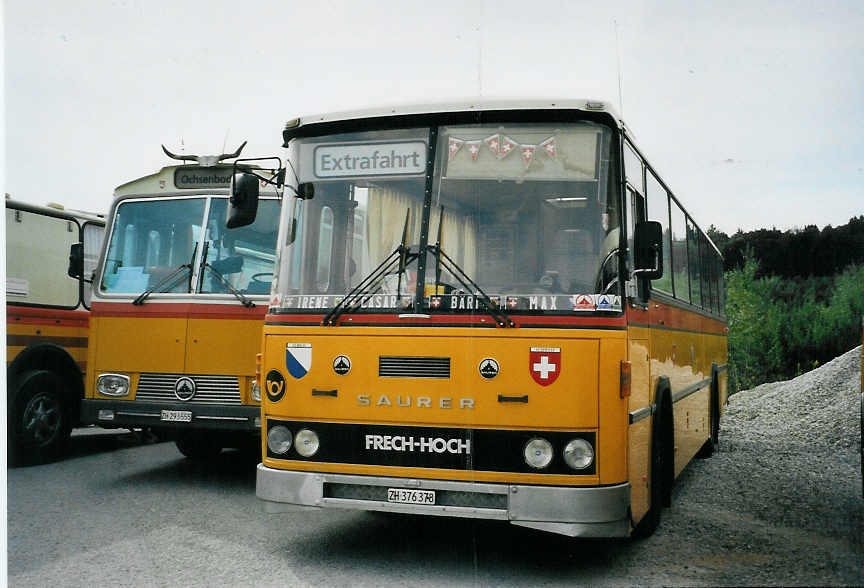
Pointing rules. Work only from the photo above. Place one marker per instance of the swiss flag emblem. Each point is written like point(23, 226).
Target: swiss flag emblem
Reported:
point(544, 363)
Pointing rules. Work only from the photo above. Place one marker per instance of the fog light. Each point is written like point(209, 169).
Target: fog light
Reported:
point(306, 443)
point(538, 453)
point(106, 415)
point(112, 384)
point(279, 439)
point(578, 454)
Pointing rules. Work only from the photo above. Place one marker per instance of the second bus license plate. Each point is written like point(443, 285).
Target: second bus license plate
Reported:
point(406, 496)
point(183, 416)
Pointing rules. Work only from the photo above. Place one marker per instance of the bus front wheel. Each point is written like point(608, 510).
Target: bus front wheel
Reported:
point(198, 446)
point(39, 426)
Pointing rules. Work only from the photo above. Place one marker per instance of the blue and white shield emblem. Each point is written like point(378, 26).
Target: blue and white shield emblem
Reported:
point(298, 359)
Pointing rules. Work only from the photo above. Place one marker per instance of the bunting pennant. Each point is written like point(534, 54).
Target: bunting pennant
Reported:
point(493, 142)
point(528, 153)
point(454, 145)
point(549, 148)
point(501, 146)
point(507, 146)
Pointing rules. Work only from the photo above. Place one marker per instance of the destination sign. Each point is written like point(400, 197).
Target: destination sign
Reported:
point(190, 177)
point(370, 159)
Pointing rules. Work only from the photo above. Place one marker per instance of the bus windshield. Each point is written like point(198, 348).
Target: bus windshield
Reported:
point(519, 212)
point(156, 243)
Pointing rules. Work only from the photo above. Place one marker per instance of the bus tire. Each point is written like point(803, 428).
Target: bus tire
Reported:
point(198, 446)
point(39, 423)
point(660, 486)
point(710, 446)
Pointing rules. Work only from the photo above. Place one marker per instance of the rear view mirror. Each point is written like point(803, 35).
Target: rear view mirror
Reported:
point(76, 261)
point(243, 204)
point(648, 250)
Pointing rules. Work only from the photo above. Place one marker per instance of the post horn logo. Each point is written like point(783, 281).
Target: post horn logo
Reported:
point(185, 388)
point(274, 385)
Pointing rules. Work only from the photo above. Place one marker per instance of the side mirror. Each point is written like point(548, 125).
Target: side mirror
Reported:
point(76, 261)
point(305, 191)
point(243, 204)
point(648, 250)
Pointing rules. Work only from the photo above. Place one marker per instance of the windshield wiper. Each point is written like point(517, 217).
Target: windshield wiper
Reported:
point(169, 278)
point(372, 283)
point(457, 272)
point(442, 259)
point(237, 294)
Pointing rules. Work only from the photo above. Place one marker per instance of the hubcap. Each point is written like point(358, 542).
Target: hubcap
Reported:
point(42, 418)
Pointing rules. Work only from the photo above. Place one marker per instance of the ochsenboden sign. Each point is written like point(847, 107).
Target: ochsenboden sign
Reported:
point(192, 177)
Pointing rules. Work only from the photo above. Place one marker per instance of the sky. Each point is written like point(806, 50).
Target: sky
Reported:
point(752, 112)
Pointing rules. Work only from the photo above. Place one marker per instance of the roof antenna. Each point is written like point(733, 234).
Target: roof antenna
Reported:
point(620, 83)
point(479, 61)
point(225, 141)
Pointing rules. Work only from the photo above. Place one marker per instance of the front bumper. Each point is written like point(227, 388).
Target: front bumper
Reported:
point(211, 417)
point(597, 511)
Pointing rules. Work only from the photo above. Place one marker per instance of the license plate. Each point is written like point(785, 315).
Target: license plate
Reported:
point(182, 416)
point(406, 496)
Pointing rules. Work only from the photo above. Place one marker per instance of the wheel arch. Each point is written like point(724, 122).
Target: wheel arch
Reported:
point(53, 358)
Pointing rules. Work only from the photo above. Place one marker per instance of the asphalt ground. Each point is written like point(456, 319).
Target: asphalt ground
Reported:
point(122, 510)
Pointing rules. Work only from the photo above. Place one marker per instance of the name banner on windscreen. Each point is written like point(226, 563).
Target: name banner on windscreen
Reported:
point(370, 159)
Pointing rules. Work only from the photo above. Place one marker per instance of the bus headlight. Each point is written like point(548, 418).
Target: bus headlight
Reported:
point(256, 391)
point(279, 439)
point(538, 453)
point(306, 443)
point(578, 454)
point(112, 384)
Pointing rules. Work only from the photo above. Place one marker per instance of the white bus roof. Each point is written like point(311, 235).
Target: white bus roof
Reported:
point(463, 105)
point(54, 209)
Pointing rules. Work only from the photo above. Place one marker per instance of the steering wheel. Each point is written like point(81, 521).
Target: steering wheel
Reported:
point(602, 288)
point(262, 274)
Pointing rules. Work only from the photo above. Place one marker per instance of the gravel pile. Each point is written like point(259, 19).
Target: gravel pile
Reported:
point(780, 502)
point(819, 408)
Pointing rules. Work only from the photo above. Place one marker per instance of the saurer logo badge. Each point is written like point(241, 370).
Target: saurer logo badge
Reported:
point(544, 363)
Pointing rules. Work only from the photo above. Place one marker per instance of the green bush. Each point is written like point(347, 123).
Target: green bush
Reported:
point(782, 327)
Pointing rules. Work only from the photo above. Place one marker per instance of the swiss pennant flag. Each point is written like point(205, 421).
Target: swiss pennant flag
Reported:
point(544, 363)
point(473, 148)
point(507, 146)
point(528, 153)
point(493, 142)
point(549, 148)
point(454, 145)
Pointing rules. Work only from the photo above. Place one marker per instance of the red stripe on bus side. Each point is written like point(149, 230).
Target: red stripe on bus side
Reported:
point(178, 310)
point(24, 315)
point(454, 320)
point(671, 317)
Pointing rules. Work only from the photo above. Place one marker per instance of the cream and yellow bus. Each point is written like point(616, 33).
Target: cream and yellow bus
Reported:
point(47, 325)
point(178, 306)
point(495, 310)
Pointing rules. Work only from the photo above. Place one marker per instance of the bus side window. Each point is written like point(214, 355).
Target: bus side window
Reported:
point(658, 210)
point(678, 269)
point(694, 263)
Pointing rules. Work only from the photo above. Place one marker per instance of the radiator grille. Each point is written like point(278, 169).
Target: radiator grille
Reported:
point(209, 389)
point(413, 367)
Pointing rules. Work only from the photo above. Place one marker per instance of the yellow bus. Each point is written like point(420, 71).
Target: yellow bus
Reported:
point(178, 306)
point(490, 309)
point(47, 325)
